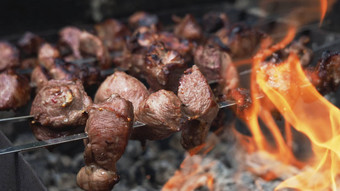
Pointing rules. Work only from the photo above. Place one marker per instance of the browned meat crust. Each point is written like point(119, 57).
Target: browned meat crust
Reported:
point(161, 111)
point(163, 68)
point(188, 28)
point(60, 104)
point(9, 56)
point(125, 86)
point(30, 43)
point(108, 127)
point(216, 65)
point(15, 90)
point(112, 33)
point(198, 104)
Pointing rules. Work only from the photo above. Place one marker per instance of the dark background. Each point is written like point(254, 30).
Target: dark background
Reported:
point(40, 15)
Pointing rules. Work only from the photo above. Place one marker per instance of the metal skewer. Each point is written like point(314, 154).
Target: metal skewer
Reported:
point(76, 137)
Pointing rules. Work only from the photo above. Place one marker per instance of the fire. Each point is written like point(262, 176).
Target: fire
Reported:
point(286, 89)
point(307, 111)
point(323, 7)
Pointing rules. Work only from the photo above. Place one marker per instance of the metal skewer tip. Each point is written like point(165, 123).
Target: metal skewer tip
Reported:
point(17, 118)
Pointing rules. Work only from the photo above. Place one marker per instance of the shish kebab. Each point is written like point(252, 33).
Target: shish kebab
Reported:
point(221, 105)
point(76, 137)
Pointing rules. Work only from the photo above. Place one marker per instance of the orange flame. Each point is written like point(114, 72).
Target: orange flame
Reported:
point(288, 90)
point(323, 7)
point(307, 111)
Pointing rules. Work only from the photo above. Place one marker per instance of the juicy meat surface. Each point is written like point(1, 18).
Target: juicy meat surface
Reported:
point(125, 86)
point(90, 44)
point(70, 37)
point(163, 68)
point(61, 104)
point(108, 127)
point(216, 65)
point(29, 43)
point(15, 90)
point(9, 56)
point(188, 28)
point(198, 104)
point(112, 33)
point(161, 111)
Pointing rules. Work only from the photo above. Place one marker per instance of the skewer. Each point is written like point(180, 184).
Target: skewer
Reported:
point(80, 136)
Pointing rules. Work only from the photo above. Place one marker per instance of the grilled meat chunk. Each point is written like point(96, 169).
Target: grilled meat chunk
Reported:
point(242, 99)
point(30, 43)
point(161, 111)
point(141, 18)
point(70, 39)
point(15, 90)
point(46, 55)
point(163, 68)
point(213, 21)
point(188, 28)
point(112, 33)
point(108, 128)
point(199, 105)
point(125, 86)
point(216, 65)
point(92, 45)
point(328, 73)
point(9, 56)
point(39, 77)
point(60, 104)
point(240, 40)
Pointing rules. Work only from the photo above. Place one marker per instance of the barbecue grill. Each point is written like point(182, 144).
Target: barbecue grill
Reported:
point(57, 170)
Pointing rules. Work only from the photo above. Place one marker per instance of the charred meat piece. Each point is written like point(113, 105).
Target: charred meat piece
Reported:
point(59, 70)
point(39, 77)
point(70, 39)
point(30, 43)
point(161, 111)
point(198, 104)
point(242, 99)
point(240, 40)
point(108, 127)
point(46, 55)
point(141, 39)
point(9, 56)
point(93, 46)
point(61, 104)
point(182, 46)
point(328, 72)
point(125, 86)
point(15, 90)
point(188, 28)
point(141, 18)
point(214, 21)
point(216, 65)
point(112, 33)
point(163, 68)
